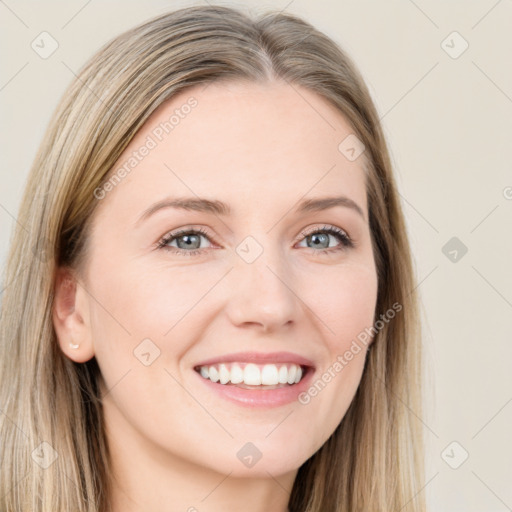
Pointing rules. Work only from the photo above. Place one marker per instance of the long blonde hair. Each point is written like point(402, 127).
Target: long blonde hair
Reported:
point(374, 459)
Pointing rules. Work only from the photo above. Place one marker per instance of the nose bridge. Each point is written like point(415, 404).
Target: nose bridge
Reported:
point(262, 288)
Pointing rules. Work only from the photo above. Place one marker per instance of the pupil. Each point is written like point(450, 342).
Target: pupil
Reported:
point(188, 243)
point(322, 237)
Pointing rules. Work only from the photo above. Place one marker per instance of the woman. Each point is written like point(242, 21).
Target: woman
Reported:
point(210, 300)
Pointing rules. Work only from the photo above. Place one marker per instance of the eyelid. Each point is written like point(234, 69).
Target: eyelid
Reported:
point(326, 227)
point(173, 234)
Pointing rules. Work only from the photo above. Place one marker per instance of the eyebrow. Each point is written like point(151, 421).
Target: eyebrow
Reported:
point(216, 207)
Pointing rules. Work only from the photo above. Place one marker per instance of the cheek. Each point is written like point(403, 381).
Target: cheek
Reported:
point(148, 300)
point(136, 303)
point(346, 307)
point(346, 303)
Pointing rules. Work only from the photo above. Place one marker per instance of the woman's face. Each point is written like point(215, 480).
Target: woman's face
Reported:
point(256, 271)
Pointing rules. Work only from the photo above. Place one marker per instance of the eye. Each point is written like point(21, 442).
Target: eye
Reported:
point(188, 241)
point(319, 238)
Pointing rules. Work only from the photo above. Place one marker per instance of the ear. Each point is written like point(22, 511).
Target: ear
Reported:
point(71, 318)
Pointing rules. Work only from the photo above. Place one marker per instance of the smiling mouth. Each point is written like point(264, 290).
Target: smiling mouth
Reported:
point(254, 376)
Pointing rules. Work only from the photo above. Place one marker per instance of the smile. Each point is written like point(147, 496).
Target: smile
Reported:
point(250, 374)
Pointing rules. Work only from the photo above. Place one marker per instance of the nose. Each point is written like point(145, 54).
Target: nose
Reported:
point(262, 293)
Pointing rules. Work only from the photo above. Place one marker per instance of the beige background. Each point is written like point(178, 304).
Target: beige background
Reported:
point(448, 123)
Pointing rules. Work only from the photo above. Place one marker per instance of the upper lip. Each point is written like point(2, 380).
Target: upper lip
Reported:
point(259, 357)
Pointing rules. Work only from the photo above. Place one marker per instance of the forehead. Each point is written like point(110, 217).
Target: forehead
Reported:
point(264, 142)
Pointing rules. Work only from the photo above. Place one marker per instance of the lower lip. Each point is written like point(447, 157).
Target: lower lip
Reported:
point(260, 397)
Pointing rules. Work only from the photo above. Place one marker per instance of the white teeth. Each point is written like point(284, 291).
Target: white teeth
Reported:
point(291, 374)
point(270, 375)
point(213, 374)
point(252, 374)
point(237, 374)
point(223, 374)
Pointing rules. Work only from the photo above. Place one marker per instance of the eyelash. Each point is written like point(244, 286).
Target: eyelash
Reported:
point(345, 241)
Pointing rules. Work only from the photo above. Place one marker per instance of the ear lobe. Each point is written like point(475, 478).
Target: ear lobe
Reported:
point(70, 317)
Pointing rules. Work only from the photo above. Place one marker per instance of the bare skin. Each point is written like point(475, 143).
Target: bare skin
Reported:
point(261, 149)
